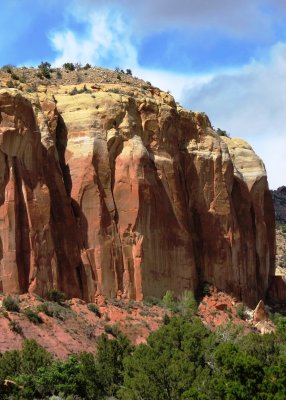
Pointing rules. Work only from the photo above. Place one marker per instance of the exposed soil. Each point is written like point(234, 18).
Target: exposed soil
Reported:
point(75, 328)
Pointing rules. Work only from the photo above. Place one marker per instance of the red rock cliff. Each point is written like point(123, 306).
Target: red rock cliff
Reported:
point(118, 190)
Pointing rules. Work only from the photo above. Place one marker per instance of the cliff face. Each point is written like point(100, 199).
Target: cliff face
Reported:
point(279, 200)
point(117, 191)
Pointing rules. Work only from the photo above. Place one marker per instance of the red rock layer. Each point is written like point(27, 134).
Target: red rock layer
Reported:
point(125, 194)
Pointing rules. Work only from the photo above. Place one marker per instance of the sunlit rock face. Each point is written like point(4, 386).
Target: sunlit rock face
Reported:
point(117, 191)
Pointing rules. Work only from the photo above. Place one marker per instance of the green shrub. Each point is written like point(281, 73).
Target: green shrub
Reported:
point(87, 66)
point(94, 308)
point(221, 132)
point(205, 289)
point(151, 301)
point(45, 68)
point(8, 68)
point(11, 304)
point(188, 305)
point(112, 330)
point(241, 311)
point(14, 76)
point(69, 66)
point(15, 327)
point(169, 301)
point(33, 316)
point(53, 310)
point(166, 319)
point(281, 327)
point(128, 71)
point(75, 90)
point(57, 296)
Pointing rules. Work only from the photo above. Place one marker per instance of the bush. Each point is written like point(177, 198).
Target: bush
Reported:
point(205, 289)
point(188, 305)
point(241, 311)
point(112, 330)
point(8, 68)
point(45, 68)
point(44, 65)
point(14, 76)
point(33, 316)
point(69, 66)
point(128, 71)
point(53, 310)
point(15, 327)
point(87, 66)
point(11, 304)
point(75, 90)
point(57, 296)
point(221, 132)
point(152, 301)
point(94, 308)
point(169, 301)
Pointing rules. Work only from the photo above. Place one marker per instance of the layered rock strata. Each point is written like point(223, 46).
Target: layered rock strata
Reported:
point(117, 191)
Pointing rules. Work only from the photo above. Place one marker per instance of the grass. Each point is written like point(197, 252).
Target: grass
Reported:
point(11, 304)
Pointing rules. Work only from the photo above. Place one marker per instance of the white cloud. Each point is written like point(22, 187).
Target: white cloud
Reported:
point(108, 42)
point(240, 18)
point(251, 103)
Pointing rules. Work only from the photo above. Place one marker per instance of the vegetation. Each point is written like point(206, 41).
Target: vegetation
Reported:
point(53, 309)
point(241, 311)
point(94, 308)
point(15, 327)
point(45, 70)
point(220, 132)
point(87, 66)
point(182, 360)
point(282, 227)
point(69, 66)
point(75, 90)
point(33, 316)
point(8, 68)
point(57, 296)
point(11, 304)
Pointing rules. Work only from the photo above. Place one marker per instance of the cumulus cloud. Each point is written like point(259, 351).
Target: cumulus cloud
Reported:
point(250, 103)
point(107, 41)
point(239, 18)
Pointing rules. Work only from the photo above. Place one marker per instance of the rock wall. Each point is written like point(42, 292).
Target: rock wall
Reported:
point(116, 191)
point(279, 200)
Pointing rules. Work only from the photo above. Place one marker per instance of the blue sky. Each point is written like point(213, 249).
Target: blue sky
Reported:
point(224, 57)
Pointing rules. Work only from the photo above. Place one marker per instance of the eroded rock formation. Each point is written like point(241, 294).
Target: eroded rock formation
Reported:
point(279, 200)
point(117, 191)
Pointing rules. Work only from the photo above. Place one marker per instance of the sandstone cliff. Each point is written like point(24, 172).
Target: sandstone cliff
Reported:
point(116, 190)
point(279, 200)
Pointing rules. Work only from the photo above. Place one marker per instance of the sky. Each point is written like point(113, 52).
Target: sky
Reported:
point(224, 57)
